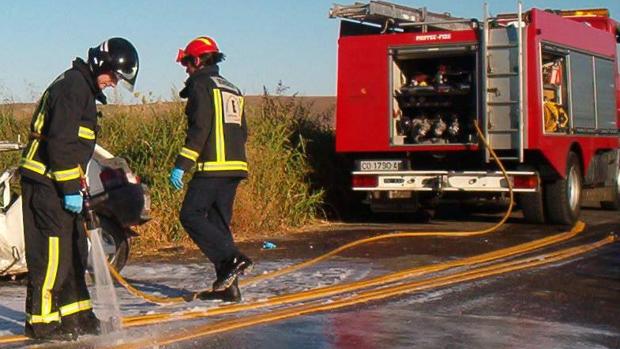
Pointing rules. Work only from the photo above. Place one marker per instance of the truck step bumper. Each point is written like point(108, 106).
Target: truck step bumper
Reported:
point(465, 181)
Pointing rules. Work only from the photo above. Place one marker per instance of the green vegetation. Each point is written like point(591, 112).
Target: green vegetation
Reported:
point(278, 195)
point(11, 129)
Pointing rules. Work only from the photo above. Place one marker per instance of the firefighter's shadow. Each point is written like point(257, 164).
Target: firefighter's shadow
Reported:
point(11, 320)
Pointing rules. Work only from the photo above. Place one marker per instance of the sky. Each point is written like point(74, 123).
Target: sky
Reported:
point(265, 41)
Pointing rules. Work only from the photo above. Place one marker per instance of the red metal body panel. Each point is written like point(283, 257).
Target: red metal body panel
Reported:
point(546, 27)
point(363, 94)
point(362, 107)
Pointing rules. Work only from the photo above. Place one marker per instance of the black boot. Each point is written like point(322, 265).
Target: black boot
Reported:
point(83, 323)
point(230, 294)
point(230, 270)
point(49, 332)
point(89, 324)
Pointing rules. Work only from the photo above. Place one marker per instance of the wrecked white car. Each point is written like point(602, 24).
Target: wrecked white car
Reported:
point(119, 198)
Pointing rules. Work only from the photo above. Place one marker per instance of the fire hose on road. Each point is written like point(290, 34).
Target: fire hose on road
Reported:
point(494, 256)
point(363, 297)
point(355, 286)
point(252, 280)
point(372, 294)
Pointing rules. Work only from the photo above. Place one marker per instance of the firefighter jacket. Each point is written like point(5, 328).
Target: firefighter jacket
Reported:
point(217, 129)
point(63, 130)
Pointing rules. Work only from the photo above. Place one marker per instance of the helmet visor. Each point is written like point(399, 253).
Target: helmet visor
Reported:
point(180, 56)
point(127, 77)
point(184, 59)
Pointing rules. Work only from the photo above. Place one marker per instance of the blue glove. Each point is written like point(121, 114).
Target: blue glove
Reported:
point(73, 203)
point(176, 178)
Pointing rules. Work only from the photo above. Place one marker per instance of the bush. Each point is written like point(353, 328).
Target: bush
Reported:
point(277, 196)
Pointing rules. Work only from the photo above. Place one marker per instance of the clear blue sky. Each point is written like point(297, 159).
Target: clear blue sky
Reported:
point(265, 41)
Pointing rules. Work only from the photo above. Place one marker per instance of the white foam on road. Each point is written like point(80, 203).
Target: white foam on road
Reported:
point(376, 324)
point(170, 279)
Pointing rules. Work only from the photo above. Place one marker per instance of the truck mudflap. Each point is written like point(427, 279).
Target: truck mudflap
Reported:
point(447, 181)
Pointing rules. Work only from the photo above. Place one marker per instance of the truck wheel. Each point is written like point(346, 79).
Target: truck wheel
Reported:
point(613, 205)
point(532, 207)
point(563, 196)
point(115, 243)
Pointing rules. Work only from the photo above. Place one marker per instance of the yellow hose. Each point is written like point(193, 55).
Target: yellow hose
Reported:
point(357, 285)
point(363, 297)
point(141, 320)
point(252, 280)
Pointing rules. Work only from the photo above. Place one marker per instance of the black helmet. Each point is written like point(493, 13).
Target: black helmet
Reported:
point(117, 56)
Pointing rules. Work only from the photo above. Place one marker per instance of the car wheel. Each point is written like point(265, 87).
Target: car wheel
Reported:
point(115, 243)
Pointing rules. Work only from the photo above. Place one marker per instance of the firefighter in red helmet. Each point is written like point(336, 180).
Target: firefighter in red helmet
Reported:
point(63, 133)
point(215, 146)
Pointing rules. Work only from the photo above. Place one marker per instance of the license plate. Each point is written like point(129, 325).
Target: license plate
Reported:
point(381, 165)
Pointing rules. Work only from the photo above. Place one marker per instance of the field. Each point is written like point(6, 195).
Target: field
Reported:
point(293, 168)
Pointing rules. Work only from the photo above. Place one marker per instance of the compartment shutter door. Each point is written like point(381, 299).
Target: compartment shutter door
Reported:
point(605, 94)
point(582, 91)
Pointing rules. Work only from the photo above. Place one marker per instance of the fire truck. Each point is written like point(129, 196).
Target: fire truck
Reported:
point(543, 86)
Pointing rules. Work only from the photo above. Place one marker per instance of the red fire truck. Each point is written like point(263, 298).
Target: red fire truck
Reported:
point(543, 85)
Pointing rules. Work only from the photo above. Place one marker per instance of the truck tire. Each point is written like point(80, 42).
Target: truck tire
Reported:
point(613, 205)
point(532, 207)
point(563, 196)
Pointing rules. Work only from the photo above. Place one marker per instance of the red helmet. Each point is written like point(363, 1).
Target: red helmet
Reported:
point(197, 48)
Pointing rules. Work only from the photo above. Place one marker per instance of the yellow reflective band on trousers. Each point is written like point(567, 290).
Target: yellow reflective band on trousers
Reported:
point(67, 175)
point(222, 166)
point(86, 133)
point(190, 154)
point(43, 319)
point(50, 276)
point(75, 307)
point(220, 145)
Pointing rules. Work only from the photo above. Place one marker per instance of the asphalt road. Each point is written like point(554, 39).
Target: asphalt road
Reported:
point(572, 304)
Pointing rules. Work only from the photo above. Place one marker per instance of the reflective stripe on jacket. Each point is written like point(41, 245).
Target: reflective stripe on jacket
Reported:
point(63, 130)
point(217, 129)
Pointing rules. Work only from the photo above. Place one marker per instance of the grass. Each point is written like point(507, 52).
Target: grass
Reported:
point(11, 129)
point(279, 194)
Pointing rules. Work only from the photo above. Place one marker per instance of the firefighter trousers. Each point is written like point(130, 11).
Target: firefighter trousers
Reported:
point(56, 255)
point(206, 214)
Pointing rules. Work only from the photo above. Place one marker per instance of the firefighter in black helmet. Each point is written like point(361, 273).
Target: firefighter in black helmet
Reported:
point(63, 133)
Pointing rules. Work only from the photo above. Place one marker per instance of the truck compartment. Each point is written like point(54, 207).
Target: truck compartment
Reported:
point(555, 92)
point(434, 98)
